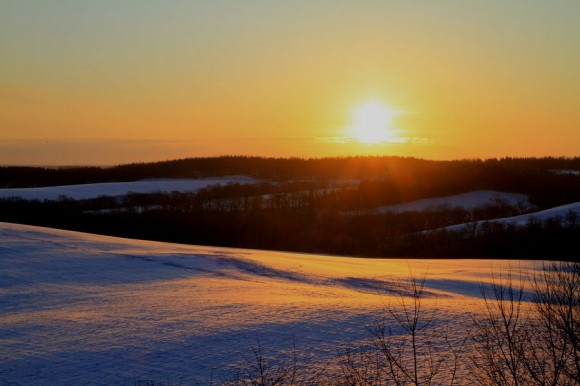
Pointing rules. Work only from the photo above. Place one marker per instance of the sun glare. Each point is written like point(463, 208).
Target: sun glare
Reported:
point(371, 123)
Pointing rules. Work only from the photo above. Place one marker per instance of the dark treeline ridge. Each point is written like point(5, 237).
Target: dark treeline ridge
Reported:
point(306, 216)
point(318, 205)
point(527, 175)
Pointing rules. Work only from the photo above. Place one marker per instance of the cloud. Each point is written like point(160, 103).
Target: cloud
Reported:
point(110, 151)
point(394, 140)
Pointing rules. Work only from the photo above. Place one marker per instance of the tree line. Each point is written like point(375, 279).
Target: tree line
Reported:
point(305, 216)
point(404, 178)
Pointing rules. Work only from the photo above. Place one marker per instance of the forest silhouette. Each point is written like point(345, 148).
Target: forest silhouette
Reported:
point(319, 205)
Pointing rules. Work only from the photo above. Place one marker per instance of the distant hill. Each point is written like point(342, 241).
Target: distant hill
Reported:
point(360, 206)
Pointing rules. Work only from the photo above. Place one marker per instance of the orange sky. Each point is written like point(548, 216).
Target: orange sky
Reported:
point(109, 82)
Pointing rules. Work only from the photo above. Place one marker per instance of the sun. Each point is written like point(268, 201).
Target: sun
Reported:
point(372, 123)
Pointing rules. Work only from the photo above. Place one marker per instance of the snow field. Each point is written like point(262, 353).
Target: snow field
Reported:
point(87, 191)
point(78, 308)
point(467, 200)
point(563, 214)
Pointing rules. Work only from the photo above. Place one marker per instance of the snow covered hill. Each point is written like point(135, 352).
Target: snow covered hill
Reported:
point(87, 309)
point(87, 191)
point(565, 214)
point(467, 200)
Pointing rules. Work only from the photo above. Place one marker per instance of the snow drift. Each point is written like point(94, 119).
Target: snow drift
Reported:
point(79, 308)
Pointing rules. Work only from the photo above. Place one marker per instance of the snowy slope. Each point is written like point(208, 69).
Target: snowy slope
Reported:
point(87, 309)
point(87, 191)
point(560, 213)
point(467, 200)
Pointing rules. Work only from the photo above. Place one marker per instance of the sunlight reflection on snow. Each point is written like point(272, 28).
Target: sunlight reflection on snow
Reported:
point(77, 306)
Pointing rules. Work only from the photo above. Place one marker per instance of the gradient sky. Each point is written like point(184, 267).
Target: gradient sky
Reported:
point(114, 81)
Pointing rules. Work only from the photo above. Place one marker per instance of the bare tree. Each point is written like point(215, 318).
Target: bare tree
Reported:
point(557, 303)
point(530, 340)
point(571, 219)
point(408, 346)
point(500, 335)
point(261, 370)
point(361, 367)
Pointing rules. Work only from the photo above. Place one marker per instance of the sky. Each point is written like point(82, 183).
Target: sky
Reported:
point(106, 81)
